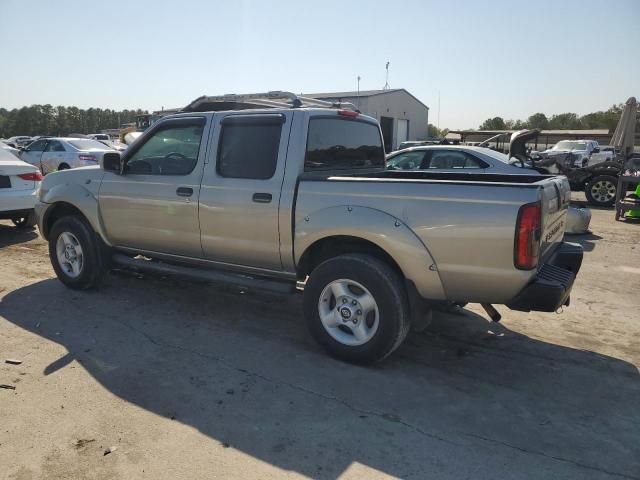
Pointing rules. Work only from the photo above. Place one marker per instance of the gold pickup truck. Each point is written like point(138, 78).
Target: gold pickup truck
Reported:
point(293, 195)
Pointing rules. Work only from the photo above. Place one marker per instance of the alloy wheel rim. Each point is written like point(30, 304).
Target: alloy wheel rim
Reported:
point(603, 191)
point(69, 254)
point(348, 312)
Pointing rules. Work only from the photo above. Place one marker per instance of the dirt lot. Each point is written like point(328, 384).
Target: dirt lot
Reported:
point(192, 381)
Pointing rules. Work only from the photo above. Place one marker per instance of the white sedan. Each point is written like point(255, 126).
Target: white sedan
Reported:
point(59, 153)
point(454, 158)
point(19, 183)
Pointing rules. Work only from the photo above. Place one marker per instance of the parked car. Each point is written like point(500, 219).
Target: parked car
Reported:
point(584, 153)
point(417, 143)
point(19, 183)
point(455, 158)
point(18, 141)
point(51, 154)
point(300, 198)
point(100, 136)
point(10, 149)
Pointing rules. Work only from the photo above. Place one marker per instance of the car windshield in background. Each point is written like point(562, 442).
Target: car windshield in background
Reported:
point(335, 143)
point(87, 144)
point(570, 146)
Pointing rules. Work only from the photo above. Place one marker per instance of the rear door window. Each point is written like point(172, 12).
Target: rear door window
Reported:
point(54, 146)
point(453, 160)
point(342, 144)
point(249, 146)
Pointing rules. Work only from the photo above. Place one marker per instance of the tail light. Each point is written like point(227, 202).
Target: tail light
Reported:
point(528, 234)
point(348, 113)
point(33, 176)
point(87, 158)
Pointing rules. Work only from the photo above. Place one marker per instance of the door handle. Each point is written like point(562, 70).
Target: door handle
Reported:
point(184, 191)
point(262, 197)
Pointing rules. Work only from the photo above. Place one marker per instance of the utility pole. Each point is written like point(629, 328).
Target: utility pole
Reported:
point(386, 85)
point(358, 103)
point(438, 109)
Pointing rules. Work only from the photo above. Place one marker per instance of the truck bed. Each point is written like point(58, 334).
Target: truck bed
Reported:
point(465, 220)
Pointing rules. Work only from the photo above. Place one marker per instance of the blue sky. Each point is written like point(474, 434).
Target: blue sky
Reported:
point(486, 58)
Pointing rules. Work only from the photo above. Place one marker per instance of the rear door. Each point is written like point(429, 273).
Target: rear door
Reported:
point(240, 194)
point(53, 155)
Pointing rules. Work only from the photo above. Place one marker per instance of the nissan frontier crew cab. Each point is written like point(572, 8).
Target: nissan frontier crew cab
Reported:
point(280, 192)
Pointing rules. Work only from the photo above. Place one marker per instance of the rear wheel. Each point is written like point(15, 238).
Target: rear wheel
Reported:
point(78, 256)
point(25, 222)
point(356, 308)
point(63, 166)
point(601, 190)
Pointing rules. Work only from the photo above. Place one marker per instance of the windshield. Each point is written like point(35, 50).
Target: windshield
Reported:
point(87, 144)
point(569, 145)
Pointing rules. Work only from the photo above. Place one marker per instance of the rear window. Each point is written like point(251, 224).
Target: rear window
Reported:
point(339, 144)
point(86, 144)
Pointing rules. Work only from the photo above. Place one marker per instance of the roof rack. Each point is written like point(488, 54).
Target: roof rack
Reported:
point(273, 99)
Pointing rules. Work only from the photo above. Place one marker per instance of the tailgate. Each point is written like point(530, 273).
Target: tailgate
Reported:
point(556, 195)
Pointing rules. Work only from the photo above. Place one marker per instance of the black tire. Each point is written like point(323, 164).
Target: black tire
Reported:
point(63, 166)
point(386, 287)
point(96, 258)
point(25, 222)
point(606, 181)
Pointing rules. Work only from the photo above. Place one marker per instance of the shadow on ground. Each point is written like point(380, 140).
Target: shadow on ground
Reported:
point(587, 240)
point(10, 235)
point(466, 398)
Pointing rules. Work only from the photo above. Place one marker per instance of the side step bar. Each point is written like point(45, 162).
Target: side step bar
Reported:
point(213, 276)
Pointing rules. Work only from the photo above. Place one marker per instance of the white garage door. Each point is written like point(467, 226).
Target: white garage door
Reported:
point(403, 131)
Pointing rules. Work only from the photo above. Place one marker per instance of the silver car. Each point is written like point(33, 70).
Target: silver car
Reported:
point(454, 158)
point(52, 154)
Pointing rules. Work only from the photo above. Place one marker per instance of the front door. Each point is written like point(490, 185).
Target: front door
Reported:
point(241, 190)
point(33, 153)
point(154, 205)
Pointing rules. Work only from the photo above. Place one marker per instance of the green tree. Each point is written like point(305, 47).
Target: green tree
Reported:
point(538, 120)
point(565, 121)
point(495, 123)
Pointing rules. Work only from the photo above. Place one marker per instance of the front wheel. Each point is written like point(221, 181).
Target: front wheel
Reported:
point(77, 254)
point(356, 308)
point(601, 190)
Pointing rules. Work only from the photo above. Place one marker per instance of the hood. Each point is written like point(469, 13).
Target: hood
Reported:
point(518, 142)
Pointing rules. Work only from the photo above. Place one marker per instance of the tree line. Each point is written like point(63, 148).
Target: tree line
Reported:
point(563, 121)
point(60, 120)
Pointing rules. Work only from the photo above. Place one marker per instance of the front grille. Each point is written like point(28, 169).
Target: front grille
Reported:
point(5, 182)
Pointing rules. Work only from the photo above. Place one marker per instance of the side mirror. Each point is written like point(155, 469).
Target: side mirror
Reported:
point(112, 162)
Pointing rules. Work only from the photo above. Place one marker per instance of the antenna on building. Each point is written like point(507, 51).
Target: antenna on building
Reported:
point(438, 109)
point(386, 85)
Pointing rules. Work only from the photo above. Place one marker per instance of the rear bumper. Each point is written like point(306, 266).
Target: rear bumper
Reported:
point(551, 287)
point(12, 200)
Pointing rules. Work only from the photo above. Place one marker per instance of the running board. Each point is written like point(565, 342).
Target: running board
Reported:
point(213, 276)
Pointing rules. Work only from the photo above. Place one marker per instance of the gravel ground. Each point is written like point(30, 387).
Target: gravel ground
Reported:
point(158, 378)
